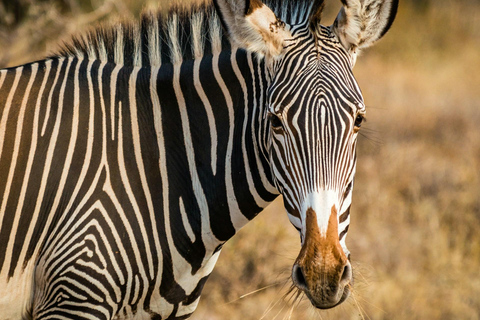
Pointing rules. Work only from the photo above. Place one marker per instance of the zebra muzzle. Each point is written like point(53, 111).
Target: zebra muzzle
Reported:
point(322, 270)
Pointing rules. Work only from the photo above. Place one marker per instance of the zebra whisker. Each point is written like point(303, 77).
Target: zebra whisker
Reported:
point(254, 292)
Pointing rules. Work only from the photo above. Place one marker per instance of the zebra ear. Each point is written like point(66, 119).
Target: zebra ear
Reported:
point(362, 22)
point(253, 26)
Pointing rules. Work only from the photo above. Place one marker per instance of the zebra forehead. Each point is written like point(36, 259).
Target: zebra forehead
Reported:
point(182, 33)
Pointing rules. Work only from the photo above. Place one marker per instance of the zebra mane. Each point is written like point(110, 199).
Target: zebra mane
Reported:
point(183, 33)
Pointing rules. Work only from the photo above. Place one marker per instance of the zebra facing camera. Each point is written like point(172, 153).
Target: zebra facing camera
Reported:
point(129, 158)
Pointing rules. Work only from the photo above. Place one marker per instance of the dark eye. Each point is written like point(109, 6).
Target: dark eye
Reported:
point(275, 121)
point(358, 121)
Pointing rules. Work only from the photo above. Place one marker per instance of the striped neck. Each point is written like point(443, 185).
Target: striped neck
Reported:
point(215, 108)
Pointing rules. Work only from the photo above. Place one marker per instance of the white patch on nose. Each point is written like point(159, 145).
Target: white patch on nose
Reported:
point(321, 202)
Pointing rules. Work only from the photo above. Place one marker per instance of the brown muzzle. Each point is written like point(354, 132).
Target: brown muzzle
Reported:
point(322, 269)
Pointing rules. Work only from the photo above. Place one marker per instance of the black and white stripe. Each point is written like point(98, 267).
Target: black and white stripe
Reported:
point(127, 160)
point(314, 144)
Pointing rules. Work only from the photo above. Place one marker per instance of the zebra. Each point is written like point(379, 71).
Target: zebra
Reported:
point(130, 157)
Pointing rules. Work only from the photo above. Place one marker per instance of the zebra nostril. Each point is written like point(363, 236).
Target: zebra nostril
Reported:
point(298, 277)
point(347, 273)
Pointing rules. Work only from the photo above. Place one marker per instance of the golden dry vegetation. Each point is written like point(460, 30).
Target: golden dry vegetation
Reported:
point(415, 225)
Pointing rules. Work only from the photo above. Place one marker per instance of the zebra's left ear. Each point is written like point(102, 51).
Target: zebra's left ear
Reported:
point(362, 22)
point(253, 26)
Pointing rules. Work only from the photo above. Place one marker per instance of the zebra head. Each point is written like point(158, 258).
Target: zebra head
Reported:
point(314, 109)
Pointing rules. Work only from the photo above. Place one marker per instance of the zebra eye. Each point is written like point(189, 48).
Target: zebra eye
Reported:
point(275, 121)
point(358, 121)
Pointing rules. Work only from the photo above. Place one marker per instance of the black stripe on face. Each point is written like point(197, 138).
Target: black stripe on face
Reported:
point(344, 215)
point(343, 233)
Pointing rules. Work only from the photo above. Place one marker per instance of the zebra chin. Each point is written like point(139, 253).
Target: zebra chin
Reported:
point(322, 270)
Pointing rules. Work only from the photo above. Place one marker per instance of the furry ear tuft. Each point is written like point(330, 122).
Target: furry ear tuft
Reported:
point(253, 26)
point(362, 22)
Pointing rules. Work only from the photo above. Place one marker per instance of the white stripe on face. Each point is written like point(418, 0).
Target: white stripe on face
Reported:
point(321, 202)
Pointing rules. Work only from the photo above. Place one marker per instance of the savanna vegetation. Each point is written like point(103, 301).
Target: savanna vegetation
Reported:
point(415, 228)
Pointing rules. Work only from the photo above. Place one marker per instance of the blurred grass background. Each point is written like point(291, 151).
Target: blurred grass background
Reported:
point(415, 219)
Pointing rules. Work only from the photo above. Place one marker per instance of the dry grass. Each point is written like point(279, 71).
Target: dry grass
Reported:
point(415, 230)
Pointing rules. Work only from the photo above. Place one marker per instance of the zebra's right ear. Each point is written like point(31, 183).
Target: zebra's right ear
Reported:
point(253, 26)
point(362, 22)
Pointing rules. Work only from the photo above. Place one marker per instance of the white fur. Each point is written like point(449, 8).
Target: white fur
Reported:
point(215, 33)
point(154, 44)
point(102, 51)
point(92, 55)
point(118, 51)
point(15, 292)
point(174, 45)
point(260, 31)
point(137, 50)
point(321, 202)
point(197, 36)
point(361, 23)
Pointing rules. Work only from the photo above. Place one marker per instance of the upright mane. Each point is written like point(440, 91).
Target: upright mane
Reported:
point(182, 33)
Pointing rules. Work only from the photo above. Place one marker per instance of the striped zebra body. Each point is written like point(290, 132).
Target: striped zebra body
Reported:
point(123, 181)
point(129, 159)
